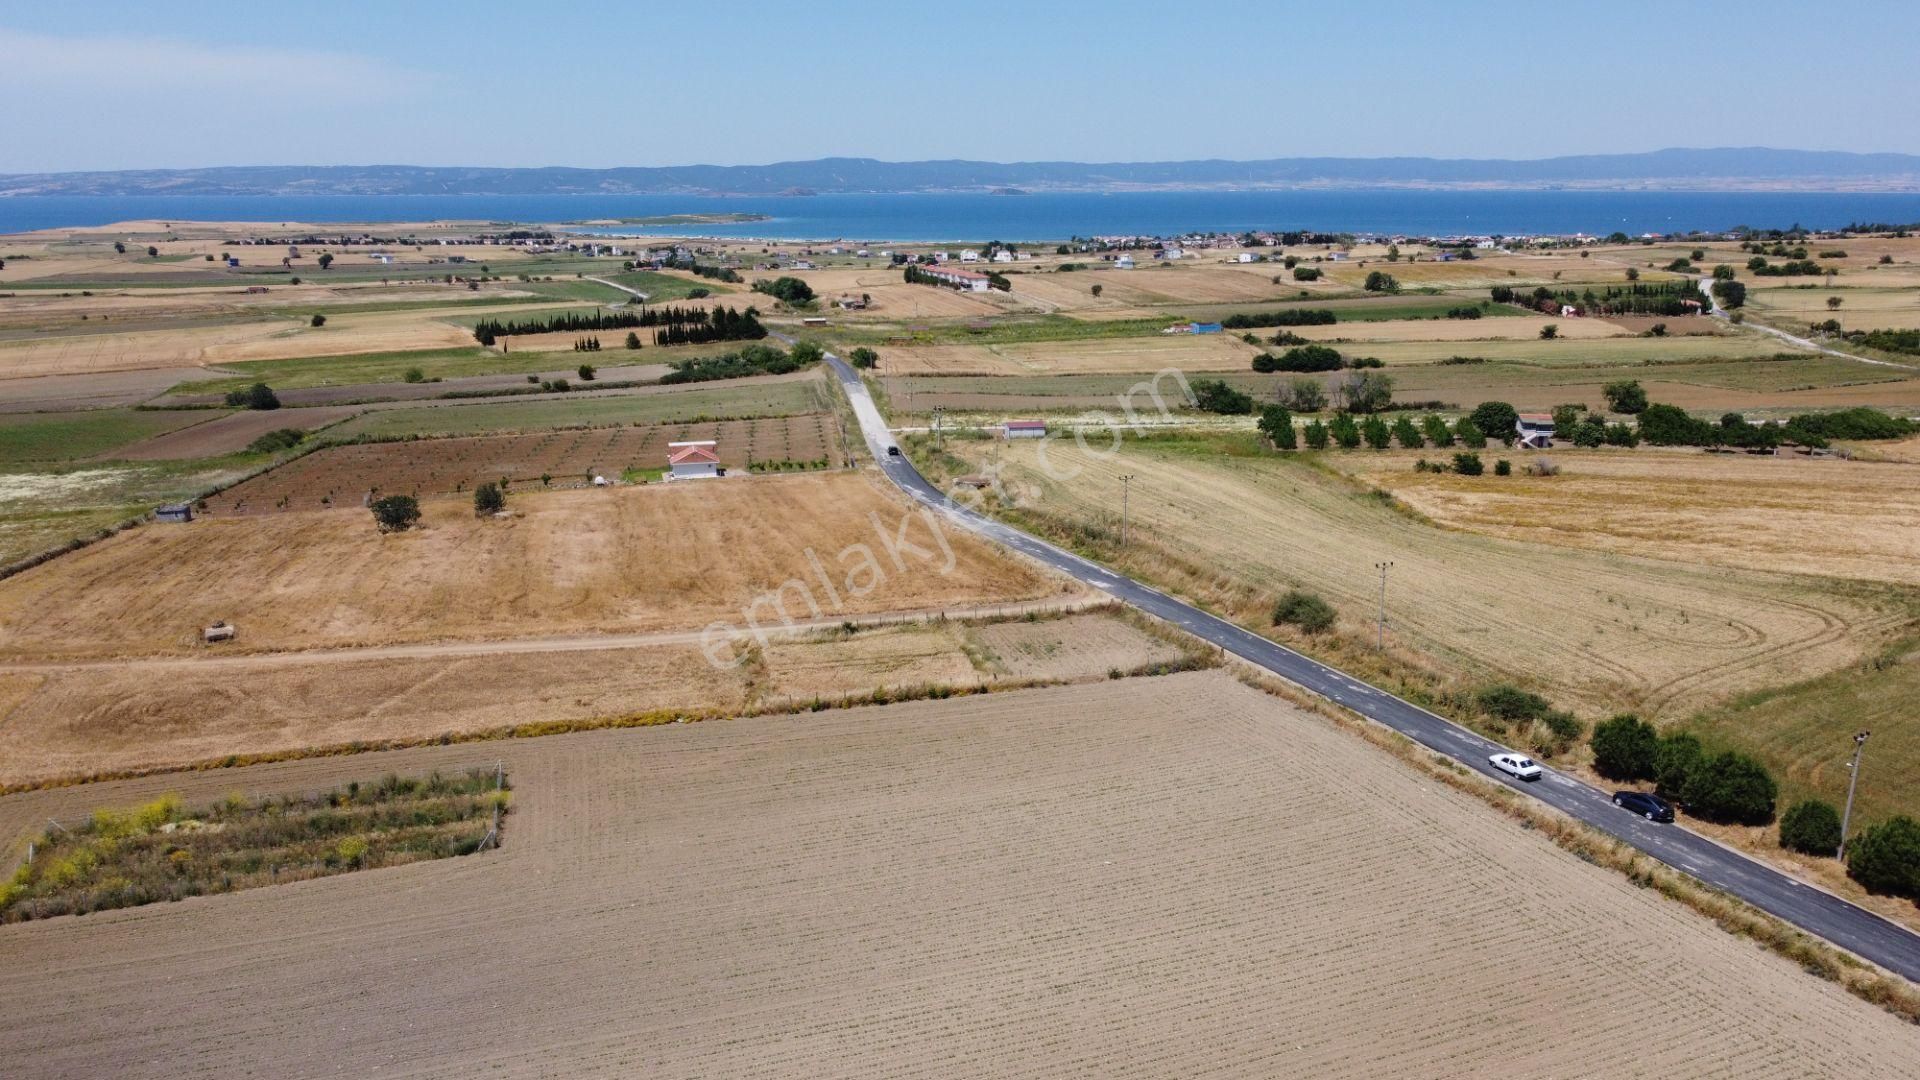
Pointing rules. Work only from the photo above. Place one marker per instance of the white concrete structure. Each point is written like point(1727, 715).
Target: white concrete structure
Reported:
point(1124, 262)
point(964, 280)
point(1534, 431)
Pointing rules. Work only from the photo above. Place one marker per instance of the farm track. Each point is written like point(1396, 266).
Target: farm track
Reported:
point(1147, 877)
point(570, 643)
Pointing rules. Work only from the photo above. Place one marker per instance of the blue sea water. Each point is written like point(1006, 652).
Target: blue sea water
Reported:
point(980, 217)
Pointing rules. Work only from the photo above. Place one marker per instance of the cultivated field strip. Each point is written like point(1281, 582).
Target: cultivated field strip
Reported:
point(345, 476)
point(1174, 876)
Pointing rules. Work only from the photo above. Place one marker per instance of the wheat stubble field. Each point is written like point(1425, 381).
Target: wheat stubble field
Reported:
point(1602, 631)
point(623, 560)
point(1153, 877)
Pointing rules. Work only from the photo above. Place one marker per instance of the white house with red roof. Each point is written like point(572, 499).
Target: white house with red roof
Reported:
point(692, 460)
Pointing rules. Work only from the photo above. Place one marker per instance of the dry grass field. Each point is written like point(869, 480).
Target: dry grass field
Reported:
point(345, 477)
point(1599, 631)
point(1860, 308)
point(1175, 876)
point(104, 717)
point(1828, 517)
point(622, 560)
point(74, 354)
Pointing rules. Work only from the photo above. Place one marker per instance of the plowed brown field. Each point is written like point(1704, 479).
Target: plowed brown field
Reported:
point(1160, 877)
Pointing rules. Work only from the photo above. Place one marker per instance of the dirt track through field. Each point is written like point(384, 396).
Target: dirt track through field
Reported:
point(1164, 877)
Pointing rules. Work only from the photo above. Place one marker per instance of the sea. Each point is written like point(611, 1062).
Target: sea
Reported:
point(1015, 217)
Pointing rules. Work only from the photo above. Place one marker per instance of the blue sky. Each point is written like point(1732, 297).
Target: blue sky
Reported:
point(108, 85)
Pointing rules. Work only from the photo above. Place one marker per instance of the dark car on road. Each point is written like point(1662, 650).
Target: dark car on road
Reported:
point(1651, 807)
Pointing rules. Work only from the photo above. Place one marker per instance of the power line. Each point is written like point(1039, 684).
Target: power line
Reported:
point(1859, 746)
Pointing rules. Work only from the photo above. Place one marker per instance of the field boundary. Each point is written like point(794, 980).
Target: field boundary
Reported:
point(1195, 657)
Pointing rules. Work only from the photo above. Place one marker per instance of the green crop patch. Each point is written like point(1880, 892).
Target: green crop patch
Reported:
point(164, 851)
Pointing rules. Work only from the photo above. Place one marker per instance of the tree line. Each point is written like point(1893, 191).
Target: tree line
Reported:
point(725, 324)
point(487, 331)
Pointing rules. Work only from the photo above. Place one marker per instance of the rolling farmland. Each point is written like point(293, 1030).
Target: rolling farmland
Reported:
point(1127, 879)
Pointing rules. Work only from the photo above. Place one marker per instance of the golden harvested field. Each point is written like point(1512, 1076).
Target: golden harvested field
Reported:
point(70, 354)
point(1577, 351)
point(621, 560)
point(347, 334)
point(1860, 308)
point(1133, 878)
point(1845, 519)
point(1598, 631)
point(1188, 352)
point(106, 717)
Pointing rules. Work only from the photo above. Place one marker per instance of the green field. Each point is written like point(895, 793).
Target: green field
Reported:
point(54, 438)
point(1805, 731)
point(710, 400)
point(662, 287)
point(375, 368)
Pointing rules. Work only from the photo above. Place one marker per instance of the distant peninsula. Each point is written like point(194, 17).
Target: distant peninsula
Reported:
point(1725, 169)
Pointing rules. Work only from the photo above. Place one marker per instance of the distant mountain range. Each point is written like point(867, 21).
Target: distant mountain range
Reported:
point(1726, 169)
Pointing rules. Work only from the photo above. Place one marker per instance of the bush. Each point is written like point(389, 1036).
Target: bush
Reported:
point(1812, 827)
point(1503, 467)
point(1406, 434)
point(1510, 704)
point(1307, 358)
point(1496, 420)
point(1215, 396)
point(1469, 433)
point(317, 321)
point(1345, 431)
point(1306, 273)
point(396, 513)
point(1305, 395)
point(1626, 396)
point(258, 396)
point(586, 372)
point(1626, 748)
point(1376, 433)
point(1468, 464)
point(1885, 858)
point(275, 441)
point(488, 499)
point(1276, 423)
point(1670, 425)
point(791, 290)
point(633, 340)
point(1674, 762)
point(863, 357)
point(1315, 434)
point(1549, 332)
point(1435, 428)
point(1305, 611)
point(413, 375)
point(1378, 281)
point(1731, 787)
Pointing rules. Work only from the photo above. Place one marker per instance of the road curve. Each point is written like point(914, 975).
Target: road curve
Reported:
point(1812, 909)
point(1718, 312)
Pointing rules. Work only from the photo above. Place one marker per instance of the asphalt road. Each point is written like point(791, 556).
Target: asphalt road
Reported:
point(1814, 910)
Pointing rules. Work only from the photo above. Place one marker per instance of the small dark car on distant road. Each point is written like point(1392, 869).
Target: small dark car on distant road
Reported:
point(1651, 807)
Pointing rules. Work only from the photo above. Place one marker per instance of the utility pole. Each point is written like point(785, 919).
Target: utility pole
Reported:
point(1126, 489)
point(1380, 641)
point(937, 444)
point(1859, 745)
